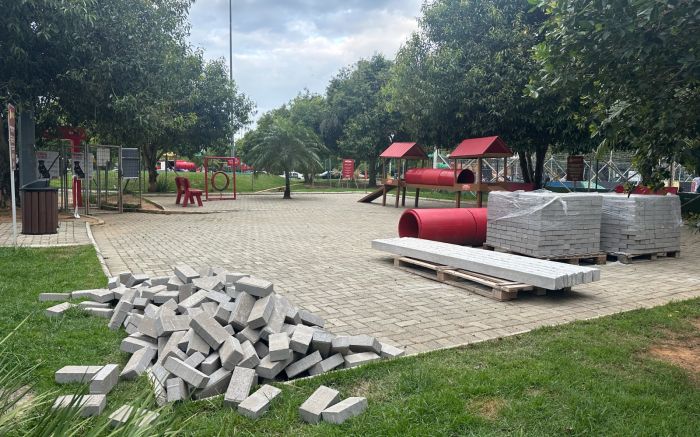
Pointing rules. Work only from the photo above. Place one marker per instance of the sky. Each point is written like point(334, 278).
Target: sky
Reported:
point(281, 47)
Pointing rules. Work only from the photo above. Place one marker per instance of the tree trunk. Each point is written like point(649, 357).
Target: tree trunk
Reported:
point(287, 187)
point(150, 158)
point(525, 167)
point(371, 169)
point(540, 155)
point(4, 169)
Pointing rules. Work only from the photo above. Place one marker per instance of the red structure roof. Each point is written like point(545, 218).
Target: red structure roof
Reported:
point(404, 151)
point(486, 147)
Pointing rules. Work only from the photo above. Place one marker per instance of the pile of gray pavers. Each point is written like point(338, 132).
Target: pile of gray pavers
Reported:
point(201, 334)
point(640, 224)
point(543, 224)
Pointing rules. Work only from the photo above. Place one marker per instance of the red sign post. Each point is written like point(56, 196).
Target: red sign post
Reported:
point(348, 171)
point(11, 117)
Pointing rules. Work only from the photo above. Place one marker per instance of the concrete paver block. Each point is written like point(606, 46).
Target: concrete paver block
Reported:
point(303, 364)
point(89, 405)
point(196, 343)
point(322, 341)
point(324, 397)
point(250, 356)
point(105, 313)
point(195, 359)
point(194, 300)
point(344, 410)
point(166, 325)
point(134, 342)
point(254, 286)
point(330, 363)
point(341, 344)
point(301, 339)
point(188, 373)
point(389, 351)
point(258, 403)
point(261, 312)
point(279, 349)
point(141, 416)
point(185, 273)
point(354, 360)
point(176, 389)
point(138, 363)
point(73, 374)
point(311, 319)
point(242, 382)
point(249, 334)
point(58, 310)
point(241, 311)
point(270, 369)
point(218, 382)
point(210, 363)
point(365, 343)
point(104, 381)
point(209, 329)
point(230, 353)
point(54, 297)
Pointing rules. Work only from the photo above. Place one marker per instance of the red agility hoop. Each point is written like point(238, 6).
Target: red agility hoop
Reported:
point(211, 173)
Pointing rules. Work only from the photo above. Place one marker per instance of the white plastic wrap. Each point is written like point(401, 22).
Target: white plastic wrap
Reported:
point(640, 224)
point(545, 224)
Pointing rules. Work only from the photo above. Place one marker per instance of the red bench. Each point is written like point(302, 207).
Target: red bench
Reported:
point(186, 193)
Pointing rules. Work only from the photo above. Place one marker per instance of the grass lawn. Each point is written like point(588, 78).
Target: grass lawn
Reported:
point(585, 378)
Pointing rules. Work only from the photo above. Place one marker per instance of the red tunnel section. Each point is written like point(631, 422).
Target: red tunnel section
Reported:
point(465, 226)
point(438, 176)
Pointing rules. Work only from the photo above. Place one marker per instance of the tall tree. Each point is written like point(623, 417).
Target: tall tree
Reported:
point(358, 106)
point(636, 67)
point(464, 74)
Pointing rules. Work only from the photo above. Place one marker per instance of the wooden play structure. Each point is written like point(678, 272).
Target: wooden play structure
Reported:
point(457, 179)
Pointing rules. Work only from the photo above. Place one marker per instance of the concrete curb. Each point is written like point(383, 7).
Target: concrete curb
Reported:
point(101, 258)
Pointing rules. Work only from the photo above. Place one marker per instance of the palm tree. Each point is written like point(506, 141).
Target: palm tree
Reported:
point(279, 145)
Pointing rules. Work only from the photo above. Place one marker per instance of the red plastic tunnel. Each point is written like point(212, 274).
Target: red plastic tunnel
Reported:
point(438, 176)
point(465, 226)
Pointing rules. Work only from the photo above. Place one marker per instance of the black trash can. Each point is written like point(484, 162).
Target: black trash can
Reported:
point(39, 208)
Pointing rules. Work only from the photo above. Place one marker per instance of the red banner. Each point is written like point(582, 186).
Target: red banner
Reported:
point(348, 169)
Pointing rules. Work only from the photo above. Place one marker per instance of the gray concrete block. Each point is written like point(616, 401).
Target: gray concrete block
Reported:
point(73, 374)
point(91, 304)
point(261, 312)
point(138, 363)
point(134, 280)
point(120, 313)
point(389, 351)
point(254, 286)
point(176, 390)
point(274, 325)
point(218, 382)
point(210, 283)
point(210, 363)
point(365, 343)
point(209, 329)
point(104, 381)
point(258, 403)
point(209, 308)
point(270, 369)
point(189, 374)
point(310, 319)
point(195, 359)
point(303, 364)
point(344, 410)
point(151, 311)
point(330, 363)
point(250, 356)
point(324, 397)
point(184, 291)
point(139, 417)
point(194, 300)
point(164, 296)
point(151, 292)
point(123, 277)
point(241, 311)
point(249, 334)
point(322, 341)
point(54, 297)
point(197, 344)
point(279, 349)
point(301, 340)
point(341, 344)
point(185, 273)
point(261, 349)
point(229, 329)
point(218, 297)
point(242, 382)
point(135, 342)
point(101, 295)
point(233, 277)
point(160, 280)
point(147, 326)
point(354, 360)
point(166, 325)
point(230, 353)
point(223, 313)
point(105, 313)
point(58, 310)
point(158, 376)
point(289, 329)
point(113, 282)
point(171, 347)
point(88, 405)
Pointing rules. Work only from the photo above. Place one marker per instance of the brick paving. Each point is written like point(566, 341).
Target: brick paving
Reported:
point(70, 233)
point(316, 249)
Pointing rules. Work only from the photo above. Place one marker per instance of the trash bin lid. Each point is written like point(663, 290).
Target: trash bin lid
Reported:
point(38, 185)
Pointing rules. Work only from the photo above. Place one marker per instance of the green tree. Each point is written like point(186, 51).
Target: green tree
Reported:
point(636, 67)
point(359, 123)
point(280, 145)
point(464, 74)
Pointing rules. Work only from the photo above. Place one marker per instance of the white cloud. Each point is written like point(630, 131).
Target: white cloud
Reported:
point(282, 47)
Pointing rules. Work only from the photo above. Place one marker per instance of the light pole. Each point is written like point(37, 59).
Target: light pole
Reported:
point(230, 71)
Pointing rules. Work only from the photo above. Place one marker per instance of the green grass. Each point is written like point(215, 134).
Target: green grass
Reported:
point(585, 378)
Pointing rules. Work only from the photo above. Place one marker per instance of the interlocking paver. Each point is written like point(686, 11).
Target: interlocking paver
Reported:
point(316, 251)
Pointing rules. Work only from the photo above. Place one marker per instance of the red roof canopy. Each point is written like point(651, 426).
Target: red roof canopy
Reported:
point(486, 147)
point(405, 151)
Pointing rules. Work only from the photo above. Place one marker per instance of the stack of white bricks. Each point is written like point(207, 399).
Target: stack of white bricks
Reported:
point(640, 224)
point(544, 224)
point(202, 334)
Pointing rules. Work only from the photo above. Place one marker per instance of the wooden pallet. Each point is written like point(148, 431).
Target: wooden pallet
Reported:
point(599, 258)
point(484, 285)
point(626, 258)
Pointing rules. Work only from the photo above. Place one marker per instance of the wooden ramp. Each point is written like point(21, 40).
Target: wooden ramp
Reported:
point(376, 194)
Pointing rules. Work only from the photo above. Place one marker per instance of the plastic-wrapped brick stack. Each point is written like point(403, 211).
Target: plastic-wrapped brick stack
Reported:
point(640, 224)
point(544, 224)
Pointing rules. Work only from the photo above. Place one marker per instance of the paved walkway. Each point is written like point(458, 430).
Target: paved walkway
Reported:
point(316, 249)
point(70, 233)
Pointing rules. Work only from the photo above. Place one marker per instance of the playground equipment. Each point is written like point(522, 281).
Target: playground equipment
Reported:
point(465, 226)
point(217, 178)
point(457, 178)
